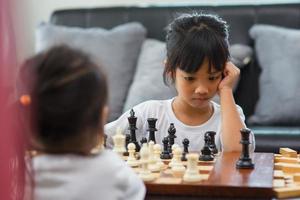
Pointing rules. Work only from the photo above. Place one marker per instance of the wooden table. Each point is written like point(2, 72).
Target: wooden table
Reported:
point(224, 181)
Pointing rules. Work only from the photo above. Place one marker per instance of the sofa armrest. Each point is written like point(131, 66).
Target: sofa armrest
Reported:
point(271, 138)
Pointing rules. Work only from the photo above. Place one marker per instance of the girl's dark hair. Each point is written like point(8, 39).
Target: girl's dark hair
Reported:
point(191, 38)
point(68, 93)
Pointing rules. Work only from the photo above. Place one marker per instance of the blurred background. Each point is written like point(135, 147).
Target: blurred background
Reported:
point(38, 11)
point(19, 21)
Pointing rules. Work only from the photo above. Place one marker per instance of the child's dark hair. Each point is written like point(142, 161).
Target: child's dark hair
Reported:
point(69, 93)
point(191, 38)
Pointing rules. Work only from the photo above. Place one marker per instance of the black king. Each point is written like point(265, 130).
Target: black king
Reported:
point(132, 127)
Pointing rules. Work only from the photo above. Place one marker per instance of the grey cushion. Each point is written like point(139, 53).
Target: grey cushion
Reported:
point(278, 53)
point(241, 55)
point(148, 79)
point(116, 50)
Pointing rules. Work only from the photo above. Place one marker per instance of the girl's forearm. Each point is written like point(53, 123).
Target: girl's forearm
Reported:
point(231, 122)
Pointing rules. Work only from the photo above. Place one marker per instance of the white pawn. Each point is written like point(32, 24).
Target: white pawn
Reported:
point(131, 160)
point(177, 166)
point(157, 152)
point(151, 152)
point(192, 173)
point(174, 146)
point(145, 174)
point(152, 162)
point(119, 142)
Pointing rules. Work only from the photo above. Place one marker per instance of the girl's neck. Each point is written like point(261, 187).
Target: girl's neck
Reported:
point(189, 115)
point(84, 144)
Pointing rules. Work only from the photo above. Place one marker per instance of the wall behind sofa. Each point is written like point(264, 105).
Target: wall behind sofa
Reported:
point(40, 10)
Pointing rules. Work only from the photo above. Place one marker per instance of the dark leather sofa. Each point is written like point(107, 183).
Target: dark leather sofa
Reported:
point(240, 19)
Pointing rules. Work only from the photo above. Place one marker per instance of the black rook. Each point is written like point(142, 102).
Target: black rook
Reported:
point(152, 129)
point(245, 161)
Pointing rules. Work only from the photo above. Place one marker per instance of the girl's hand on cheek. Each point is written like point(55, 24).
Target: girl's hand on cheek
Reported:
point(230, 75)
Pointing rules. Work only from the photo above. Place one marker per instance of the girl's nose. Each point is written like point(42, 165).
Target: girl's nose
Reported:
point(201, 89)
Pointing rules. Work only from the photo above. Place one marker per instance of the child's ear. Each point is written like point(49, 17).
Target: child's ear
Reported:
point(171, 74)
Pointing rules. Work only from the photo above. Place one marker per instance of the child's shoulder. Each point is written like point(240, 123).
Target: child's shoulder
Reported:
point(73, 160)
point(110, 158)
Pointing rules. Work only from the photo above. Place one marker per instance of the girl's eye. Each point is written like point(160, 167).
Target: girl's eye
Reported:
point(213, 78)
point(189, 78)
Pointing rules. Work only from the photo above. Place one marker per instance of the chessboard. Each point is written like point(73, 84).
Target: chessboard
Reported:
point(219, 177)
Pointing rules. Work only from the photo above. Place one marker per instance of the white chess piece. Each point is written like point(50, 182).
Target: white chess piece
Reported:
point(157, 152)
point(131, 160)
point(151, 152)
point(192, 173)
point(152, 162)
point(174, 146)
point(119, 142)
point(177, 166)
point(145, 174)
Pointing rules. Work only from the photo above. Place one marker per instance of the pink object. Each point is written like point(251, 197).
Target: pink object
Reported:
point(11, 139)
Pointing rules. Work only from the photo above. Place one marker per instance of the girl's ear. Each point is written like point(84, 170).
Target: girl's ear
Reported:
point(172, 75)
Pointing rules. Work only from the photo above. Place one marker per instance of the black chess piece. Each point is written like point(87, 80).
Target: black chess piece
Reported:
point(127, 141)
point(171, 136)
point(143, 140)
point(185, 143)
point(212, 143)
point(206, 154)
point(132, 128)
point(152, 129)
point(165, 154)
point(245, 161)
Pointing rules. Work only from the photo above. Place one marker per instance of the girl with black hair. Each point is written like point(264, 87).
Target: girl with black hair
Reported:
point(198, 65)
point(64, 96)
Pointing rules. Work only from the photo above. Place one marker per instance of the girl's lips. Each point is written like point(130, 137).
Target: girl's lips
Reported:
point(201, 99)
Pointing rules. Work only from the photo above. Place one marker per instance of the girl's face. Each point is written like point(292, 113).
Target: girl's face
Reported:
point(198, 88)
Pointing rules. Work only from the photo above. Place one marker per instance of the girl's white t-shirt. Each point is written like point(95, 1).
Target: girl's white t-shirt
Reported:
point(162, 110)
point(71, 177)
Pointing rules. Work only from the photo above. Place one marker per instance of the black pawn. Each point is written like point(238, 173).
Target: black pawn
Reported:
point(185, 143)
point(212, 143)
point(143, 140)
point(171, 136)
point(152, 129)
point(206, 154)
point(245, 161)
point(165, 154)
point(132, 128)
